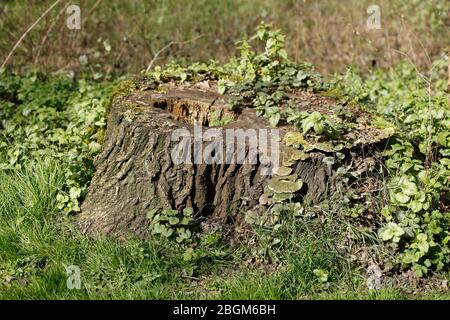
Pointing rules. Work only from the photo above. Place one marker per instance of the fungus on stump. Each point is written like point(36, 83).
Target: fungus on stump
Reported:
point(136, 171)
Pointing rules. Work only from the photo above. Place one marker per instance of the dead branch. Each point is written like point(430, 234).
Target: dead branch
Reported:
point(28, 31)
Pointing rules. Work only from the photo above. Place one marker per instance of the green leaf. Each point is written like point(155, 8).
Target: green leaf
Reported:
point(322, 275)
point(167, 232)
point(221, 87)
point(401, 197)
point(151, 213)
point(421, 243)
point(419, 270)
point(174, 220)
point(274, 119)
point(283, 54)
point(391, 231)
point(188, 211)
point(189, 254)
point(186, 221)
point(313, 121)
point(409, 188)
point(75, 193)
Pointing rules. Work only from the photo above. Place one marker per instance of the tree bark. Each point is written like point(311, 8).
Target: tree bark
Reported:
point(135, 171)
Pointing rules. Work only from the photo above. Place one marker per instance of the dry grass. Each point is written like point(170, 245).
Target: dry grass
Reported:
point(329, 33)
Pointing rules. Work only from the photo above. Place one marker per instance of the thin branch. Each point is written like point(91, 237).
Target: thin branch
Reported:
point(91, 10)
point(157, 54)
point(171, 43)
point(26, 33)
point(47, 34)
point(448, 84)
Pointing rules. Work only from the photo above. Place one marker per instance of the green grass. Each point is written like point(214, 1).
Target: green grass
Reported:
point(37, 242)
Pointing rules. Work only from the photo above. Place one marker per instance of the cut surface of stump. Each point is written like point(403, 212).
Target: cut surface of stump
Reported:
point(136, 171)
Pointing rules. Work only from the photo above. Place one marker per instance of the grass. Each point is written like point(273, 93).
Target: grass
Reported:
point(37, 243)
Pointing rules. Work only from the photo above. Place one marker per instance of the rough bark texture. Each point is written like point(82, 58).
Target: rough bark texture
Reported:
point(135, 171)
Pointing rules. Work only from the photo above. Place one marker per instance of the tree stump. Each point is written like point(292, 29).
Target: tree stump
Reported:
point(136, 171)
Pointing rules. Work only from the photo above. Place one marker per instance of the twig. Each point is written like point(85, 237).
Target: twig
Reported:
point(26, 33)
point(91, 10)
point(191, 278)
point(157, 54)
point(47, 34)
point(171, 43)
point(448, 84)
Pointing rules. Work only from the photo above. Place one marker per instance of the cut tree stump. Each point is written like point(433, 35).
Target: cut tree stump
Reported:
point(135, 171)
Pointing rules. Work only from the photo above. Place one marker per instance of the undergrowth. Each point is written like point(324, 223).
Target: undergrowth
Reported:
point(417, 160)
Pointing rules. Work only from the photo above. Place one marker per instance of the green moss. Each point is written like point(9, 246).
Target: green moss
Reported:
point(123, 88)
point(101, 136)
point(335, 93)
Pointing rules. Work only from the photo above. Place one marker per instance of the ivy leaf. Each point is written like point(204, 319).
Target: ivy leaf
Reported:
point(391, 231)
point(174, 220)
point(401, 197)
point(221, 87)
point(274, 119)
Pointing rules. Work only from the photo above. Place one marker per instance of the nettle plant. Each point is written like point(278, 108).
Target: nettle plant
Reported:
point(417, 160)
